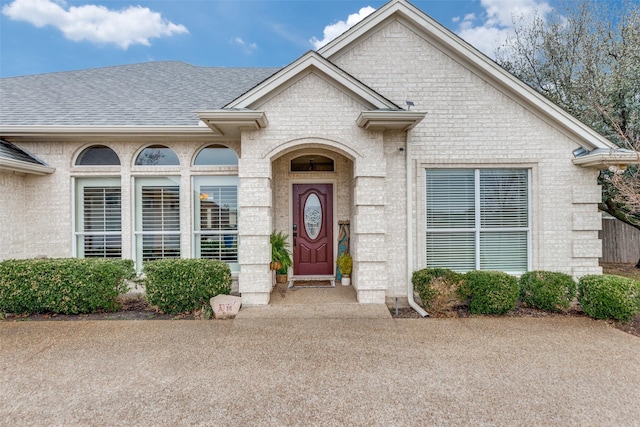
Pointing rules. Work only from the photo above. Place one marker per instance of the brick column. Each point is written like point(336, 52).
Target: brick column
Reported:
point(586, 221)
point(254, 228)
point(368, 232)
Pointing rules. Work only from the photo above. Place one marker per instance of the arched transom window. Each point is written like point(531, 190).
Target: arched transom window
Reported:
point(98, 155)
point(216, 155)
point(157, 155)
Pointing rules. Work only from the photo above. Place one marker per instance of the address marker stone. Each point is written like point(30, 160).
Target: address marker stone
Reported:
point(225, 306)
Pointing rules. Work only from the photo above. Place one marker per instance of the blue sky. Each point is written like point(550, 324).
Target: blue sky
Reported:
point(43, 36)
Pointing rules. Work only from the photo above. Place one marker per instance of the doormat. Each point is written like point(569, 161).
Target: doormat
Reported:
point(312, 284)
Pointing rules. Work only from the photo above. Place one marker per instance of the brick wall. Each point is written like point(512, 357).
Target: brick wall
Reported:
point(471, 123)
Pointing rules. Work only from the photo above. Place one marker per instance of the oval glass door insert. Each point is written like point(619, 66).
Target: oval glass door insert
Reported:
point(312, 216)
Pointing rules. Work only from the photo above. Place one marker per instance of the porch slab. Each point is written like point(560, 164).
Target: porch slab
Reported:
point(314, 303)
point(316, 311)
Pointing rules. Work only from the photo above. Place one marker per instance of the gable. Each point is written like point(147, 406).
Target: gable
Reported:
point(401, 14)
point(311, 63)
point(378, 112)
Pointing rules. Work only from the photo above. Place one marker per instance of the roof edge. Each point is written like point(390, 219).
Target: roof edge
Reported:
point(390, 120)
point(25, 167)
point(603, 158)
point(44, 130)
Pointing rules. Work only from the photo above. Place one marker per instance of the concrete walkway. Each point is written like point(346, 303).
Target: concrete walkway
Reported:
point(352, 370)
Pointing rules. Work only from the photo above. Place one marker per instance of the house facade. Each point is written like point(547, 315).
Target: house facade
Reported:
point(398, 131)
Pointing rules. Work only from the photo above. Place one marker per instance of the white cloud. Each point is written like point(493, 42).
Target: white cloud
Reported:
point(334, 30)
point(247, 48)
point(95, 23)
point(496, 25)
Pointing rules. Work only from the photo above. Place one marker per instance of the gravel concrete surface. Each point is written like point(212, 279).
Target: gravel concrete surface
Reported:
point(333, 371)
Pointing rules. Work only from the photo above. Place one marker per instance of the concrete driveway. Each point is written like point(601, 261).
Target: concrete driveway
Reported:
point(363, 369)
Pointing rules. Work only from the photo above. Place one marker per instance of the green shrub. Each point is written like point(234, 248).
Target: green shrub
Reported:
point(66, 286)
point(547, 290)
point(609, 297)
point(437, 287)
point(490, 292)
point(183, 285)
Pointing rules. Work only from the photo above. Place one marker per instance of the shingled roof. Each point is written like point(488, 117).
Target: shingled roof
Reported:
point(11, 152)
point(147, 94)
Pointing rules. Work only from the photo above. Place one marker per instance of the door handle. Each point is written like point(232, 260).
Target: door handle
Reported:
point(295, 234)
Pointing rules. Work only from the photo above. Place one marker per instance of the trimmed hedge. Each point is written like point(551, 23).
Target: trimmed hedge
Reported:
point(183, 285)
point(65, 285)
point(437, 287)
point(547, 290)
point(609, 297)
point(490, 292)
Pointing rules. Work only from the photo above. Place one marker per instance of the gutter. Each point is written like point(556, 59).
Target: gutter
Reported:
point(25, 167)
point(412, 303)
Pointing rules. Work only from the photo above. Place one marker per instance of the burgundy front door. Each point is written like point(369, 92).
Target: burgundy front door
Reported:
point(313, 229)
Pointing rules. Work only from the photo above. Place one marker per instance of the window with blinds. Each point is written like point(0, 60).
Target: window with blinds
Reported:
point(216, 218)
point(157, 219)
point(99, 218)
point(478, 219)
point(160, 222)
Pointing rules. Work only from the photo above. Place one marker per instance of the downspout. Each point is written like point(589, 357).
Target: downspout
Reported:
point(412, 303)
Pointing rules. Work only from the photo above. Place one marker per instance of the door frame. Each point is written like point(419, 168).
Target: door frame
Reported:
point(320, 180)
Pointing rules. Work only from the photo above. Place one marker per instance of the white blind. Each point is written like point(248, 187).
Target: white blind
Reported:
point(219, 207)
point(453, 250)
point(505, 251)
point(504, 200)
point(101, 222)
point(450, 198)
point(218, 222)
point(160, 222)
point(477, 219)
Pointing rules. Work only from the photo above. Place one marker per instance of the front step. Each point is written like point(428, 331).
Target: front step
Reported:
point(320, 311)
point(329, 278)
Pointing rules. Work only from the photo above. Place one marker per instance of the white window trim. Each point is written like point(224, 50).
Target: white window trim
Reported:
point(98, 181)
point(477, 229)
point(196, 183)
point(136, 199)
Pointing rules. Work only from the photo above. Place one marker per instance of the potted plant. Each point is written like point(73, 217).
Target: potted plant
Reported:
point(280, 255)
point(345, 264)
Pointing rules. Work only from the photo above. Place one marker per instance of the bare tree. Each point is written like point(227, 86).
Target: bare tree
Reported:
point(586, 59)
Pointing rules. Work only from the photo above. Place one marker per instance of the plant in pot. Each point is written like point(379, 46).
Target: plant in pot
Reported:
point(280, 255)
point(345, 264)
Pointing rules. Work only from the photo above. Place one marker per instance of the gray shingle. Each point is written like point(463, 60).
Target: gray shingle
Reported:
point(147, 94)
point(11, 152)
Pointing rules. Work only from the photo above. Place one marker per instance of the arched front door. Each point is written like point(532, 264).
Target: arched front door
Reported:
point(313, 230)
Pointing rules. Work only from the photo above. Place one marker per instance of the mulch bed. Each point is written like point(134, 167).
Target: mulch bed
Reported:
point(133, 308)
point(137, 308)
point(632, 327)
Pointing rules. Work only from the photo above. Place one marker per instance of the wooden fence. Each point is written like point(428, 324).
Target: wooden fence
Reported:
point(620, 241)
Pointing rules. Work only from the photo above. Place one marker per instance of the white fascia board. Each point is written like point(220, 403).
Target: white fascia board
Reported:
point(79, 131)
point(25, 167)
point(310, 62)
point(220, 120)
point(463, 52)
point(391, 120)
point(602, 159)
